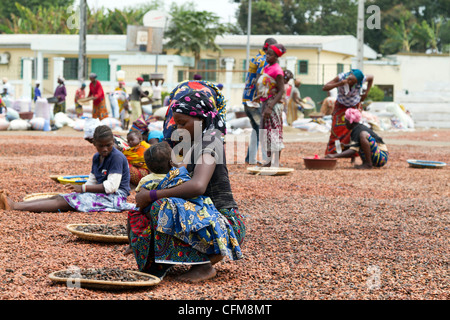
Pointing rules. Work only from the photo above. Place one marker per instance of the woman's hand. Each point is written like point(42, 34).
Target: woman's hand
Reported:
point(142, 198)
point(74, 188)
point(267, 112)
point(269, 108)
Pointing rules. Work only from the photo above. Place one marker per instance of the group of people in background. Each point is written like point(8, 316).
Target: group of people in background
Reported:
point(268, 93)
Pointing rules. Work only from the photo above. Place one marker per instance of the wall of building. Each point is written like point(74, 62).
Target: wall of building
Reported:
point(425, 88)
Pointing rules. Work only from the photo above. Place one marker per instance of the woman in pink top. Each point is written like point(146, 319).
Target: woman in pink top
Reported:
point(270, 93)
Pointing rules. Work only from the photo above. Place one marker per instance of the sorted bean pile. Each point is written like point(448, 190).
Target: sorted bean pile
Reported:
point(109, 230)
point(103, 274)
point(312, 234)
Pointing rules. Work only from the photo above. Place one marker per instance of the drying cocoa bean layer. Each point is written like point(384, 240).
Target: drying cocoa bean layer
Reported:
point(341, 234)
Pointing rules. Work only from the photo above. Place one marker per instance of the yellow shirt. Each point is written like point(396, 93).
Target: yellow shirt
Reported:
point(155, 179)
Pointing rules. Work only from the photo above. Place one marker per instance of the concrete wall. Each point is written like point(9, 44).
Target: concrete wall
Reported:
point(425, 88)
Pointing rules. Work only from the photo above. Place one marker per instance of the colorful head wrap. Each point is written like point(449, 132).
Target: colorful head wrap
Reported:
point(359, 75)
point(196, 104)
point(278, 48)
point(353, 115)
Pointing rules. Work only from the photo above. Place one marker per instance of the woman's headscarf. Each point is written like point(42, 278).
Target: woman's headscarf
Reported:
point(182, 89)
point(353, 115)
point(278, 48)
point(197, 104)
point(359, 75)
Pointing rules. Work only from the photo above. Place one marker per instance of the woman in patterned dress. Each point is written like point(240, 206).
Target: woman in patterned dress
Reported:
point(199, 122)
point(350, 95)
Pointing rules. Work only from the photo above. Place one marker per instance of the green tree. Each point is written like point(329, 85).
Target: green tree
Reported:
point(7, 8)
point(267, 17)
point(193, 31)
point(299, 16)
point(434, 13)
point(54, 20)
point(42, 20)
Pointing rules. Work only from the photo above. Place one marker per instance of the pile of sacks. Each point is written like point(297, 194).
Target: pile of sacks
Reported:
point(10, 120)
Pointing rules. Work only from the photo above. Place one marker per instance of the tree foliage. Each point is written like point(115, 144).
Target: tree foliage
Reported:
point(43, 19)
point(193, 31)
point(415, 25)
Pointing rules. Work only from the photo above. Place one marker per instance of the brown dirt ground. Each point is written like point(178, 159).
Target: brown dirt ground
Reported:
point(344, 234)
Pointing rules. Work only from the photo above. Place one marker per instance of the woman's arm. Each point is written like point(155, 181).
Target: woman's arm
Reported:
point(334, 84)
point(345, 154)
point(96, 188)
point(275, 99)
point(193, 188)
point(369, 79)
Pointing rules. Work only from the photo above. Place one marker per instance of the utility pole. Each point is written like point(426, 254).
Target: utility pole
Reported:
point(360, 36)
point(249, 23)
point(82, 42)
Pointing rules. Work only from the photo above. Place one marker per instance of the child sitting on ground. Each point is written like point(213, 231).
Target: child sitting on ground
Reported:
point(107, 188)
point(368, 144)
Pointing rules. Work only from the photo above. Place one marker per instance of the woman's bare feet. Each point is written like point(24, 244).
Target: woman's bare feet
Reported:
point(198, 273)
point(129, 250)
point(364, 166)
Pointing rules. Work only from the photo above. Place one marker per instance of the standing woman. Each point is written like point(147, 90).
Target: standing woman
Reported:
point(271, 92)
point(60, 93)
point(295, 100)
point(350, 95)
point(96, 94)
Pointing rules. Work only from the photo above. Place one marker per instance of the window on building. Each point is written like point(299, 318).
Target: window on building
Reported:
point(70, 68)
point(34, 69)
point(101, 67)
point(303, 66)
point(181, 75)
point(340, 68)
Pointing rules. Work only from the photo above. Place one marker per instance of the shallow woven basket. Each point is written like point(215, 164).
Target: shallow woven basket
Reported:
point(269, 171)
point(106, 285)
point(97, 237)
point(43, 195)
point(73, 179)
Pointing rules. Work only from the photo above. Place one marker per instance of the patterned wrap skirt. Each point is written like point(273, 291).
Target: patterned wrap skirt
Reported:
point(272, 137)
point(59, 107)
point(151, 246)
point(99, 110)
point(379, 157)
point(95, 202)
point(338, 129)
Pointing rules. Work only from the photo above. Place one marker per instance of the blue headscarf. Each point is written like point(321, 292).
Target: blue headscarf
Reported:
point(359, 75)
